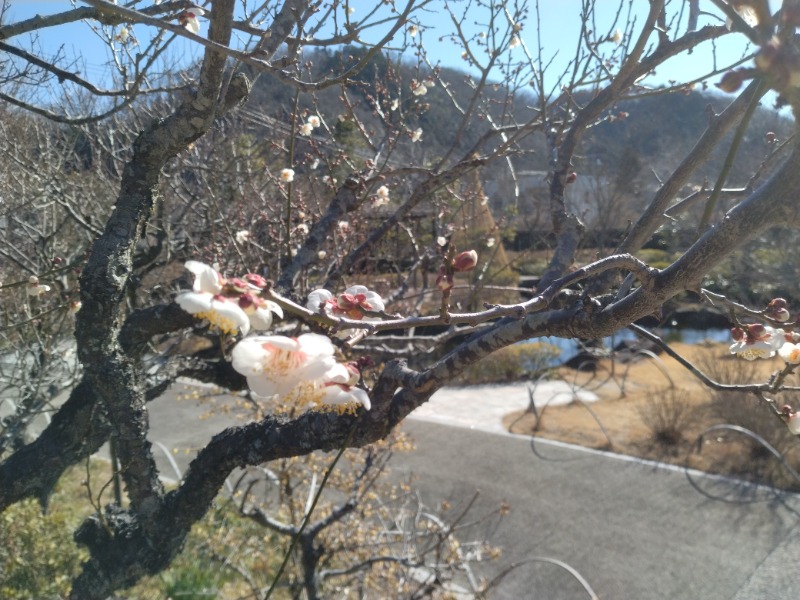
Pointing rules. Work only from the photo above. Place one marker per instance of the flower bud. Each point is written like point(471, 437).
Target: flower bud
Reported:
point(770, 137)
point(256, 280)
point(730, 82)
point(465, 261)
point(571, 178)
point(737, 333)
point(346, 302)
point(777, 310)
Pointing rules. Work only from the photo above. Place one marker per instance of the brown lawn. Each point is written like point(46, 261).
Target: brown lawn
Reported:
point(657, 409)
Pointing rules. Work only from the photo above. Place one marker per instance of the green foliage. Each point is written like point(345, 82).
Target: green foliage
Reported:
point(38, 557)
point(513, 363)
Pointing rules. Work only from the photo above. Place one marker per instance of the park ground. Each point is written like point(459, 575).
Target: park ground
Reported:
point(655, 408)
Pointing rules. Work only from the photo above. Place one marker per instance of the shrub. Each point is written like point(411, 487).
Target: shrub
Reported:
point(666, 414)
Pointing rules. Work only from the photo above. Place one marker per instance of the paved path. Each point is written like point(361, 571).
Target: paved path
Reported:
point(484, 406)
point(633, 529)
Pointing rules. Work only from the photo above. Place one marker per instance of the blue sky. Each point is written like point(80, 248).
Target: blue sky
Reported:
point(560, 28)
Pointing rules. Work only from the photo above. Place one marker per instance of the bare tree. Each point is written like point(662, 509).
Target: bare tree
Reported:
point(177, 200)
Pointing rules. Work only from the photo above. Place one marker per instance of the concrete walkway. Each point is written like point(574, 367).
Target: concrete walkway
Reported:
point(634, 529)
point(483, 407)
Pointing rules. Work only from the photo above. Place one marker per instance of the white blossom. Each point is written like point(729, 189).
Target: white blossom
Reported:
point(259, 311)
point(287, 175)
point(381, 196)
point(206, 302)
point(418, 88)
point(188, 19)
point(416, 135)
point(276, 365)
point(306, 129)
point(34, 288)
point(314, 121)
point(242, 236)
point(790, 352)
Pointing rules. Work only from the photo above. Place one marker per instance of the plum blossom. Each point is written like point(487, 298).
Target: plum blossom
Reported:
point(416, 135)
point(395, 104)
point(259, 311)
point(320, 299)
point(221, 312)
point(340, 393)
point(75, 306)
point(34, 289)
point(756, 341)
point(188, 19)
point(275, 365)
point(381, 196)
point(351, 303)
point(616, 37)
point(123, 35)
point(515, 41)
point(206, 301)
point(790, 352)
point(418, 88)
point(242, 236)
point(413, 30)
point(314, 121)
point(287, 175)
point(306, 129)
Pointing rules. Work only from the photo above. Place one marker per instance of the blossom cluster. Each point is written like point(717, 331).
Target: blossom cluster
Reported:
point(230, 305)
point(356, 302)
point(302, 371)
point(756, 341)
point(310, 125)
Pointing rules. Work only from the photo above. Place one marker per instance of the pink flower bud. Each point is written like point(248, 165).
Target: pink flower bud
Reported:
point(465, 261)
point(247, 301)
point(571, 178)
point(777, 310)
point(256, 280)
point(737, 333)
point(346, 302)
point(756, 331)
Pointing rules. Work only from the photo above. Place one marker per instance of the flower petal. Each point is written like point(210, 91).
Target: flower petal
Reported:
point(206, 278)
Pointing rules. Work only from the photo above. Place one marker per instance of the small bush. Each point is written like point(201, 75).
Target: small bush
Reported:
point(666, 415)
point(513, 363)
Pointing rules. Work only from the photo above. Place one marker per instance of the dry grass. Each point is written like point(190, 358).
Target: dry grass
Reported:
point(657, 409)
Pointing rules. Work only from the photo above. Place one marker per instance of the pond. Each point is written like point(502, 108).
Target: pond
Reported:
point(570, 347)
